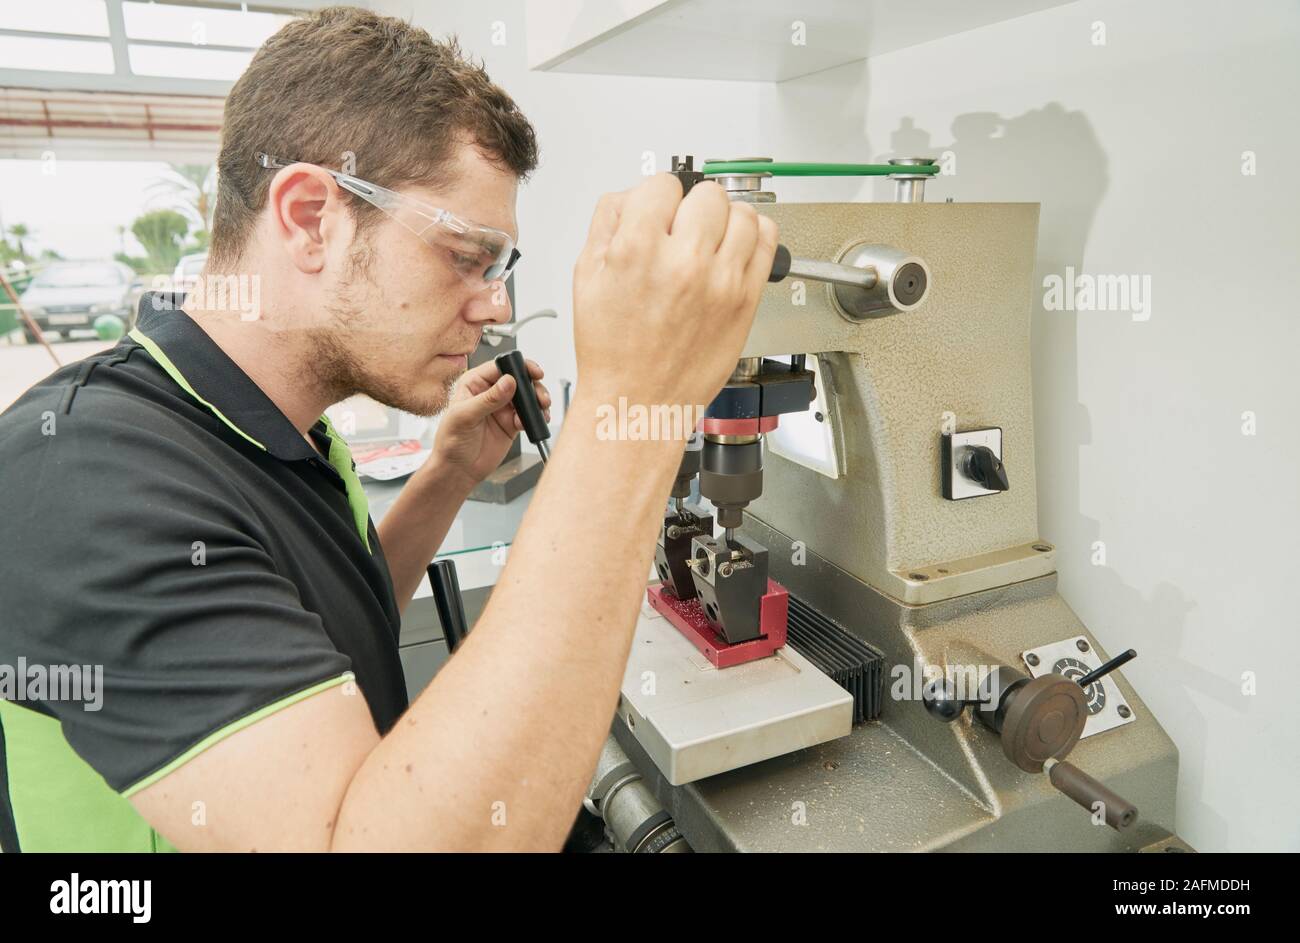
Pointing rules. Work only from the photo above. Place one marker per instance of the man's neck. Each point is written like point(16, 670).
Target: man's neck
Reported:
point(281, 369)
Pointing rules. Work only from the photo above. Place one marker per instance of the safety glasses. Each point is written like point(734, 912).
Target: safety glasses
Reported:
point(479, 254)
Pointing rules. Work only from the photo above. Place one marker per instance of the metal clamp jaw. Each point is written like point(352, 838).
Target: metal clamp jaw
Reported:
point(730, 577)
point(673, 551)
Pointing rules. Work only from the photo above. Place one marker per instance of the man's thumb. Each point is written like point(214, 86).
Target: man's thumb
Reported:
point(490, 400)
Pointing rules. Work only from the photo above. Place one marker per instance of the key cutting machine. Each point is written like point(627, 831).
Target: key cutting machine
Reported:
point(871, 653)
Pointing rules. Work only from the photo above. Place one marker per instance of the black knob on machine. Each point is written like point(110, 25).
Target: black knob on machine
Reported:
point(981, 465)
point(941, 701)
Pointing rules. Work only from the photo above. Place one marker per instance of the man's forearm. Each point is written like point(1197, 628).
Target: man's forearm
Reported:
point(495, 752)
point(417, 523)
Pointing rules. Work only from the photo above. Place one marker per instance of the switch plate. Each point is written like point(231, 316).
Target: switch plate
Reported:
point(956, 486)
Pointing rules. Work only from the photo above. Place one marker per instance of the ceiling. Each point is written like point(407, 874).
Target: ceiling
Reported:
point(125, 79)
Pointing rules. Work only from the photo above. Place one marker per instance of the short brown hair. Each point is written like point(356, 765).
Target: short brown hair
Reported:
point(347, 81)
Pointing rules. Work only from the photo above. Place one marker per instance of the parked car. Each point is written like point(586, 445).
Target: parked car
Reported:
point(73, 296)
point(188, 270)
point(19, 277)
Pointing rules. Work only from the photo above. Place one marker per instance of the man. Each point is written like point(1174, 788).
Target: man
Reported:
point(176, 511)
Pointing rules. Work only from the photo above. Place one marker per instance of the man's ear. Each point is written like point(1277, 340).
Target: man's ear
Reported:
point(307, 213)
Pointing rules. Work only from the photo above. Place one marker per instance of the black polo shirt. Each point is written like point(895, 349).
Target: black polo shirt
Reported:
point(165, 525)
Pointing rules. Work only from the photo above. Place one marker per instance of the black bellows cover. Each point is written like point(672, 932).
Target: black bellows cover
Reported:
point(850, 662)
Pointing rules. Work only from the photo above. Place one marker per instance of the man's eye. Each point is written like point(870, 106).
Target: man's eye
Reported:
point(462, 261)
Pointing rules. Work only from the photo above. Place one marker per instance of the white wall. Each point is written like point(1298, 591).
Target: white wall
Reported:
point(1134, 148)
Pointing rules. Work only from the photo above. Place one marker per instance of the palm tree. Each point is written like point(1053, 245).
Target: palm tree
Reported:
point(195, 186)
point(161, 232)
point(19, 231)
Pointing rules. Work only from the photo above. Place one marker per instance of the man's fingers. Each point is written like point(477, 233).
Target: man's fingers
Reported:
point(741, 237)
point(702, 218)
point(535, 372)
point(649, 208)
point(481, 405)
point(509, 420)
point(486, 392)
point(759, 268)
point(604, 222)
point(478, 379)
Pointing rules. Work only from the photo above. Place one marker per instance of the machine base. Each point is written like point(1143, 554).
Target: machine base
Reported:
point(694, 720)
point(689, 618)
point(909, 782)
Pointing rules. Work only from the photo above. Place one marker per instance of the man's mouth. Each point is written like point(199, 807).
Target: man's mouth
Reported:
point(461, 358)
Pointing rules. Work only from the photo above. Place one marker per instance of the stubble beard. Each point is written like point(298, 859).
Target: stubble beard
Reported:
point(341, 372)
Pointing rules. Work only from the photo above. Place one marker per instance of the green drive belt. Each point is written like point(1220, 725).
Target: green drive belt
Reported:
point(851, 663)
point(786, 169)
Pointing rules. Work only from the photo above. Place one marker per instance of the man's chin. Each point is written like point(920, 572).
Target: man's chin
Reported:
point(424, 399)
point(427, 405)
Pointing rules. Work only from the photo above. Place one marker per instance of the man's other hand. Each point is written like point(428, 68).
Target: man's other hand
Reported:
point(479, 425)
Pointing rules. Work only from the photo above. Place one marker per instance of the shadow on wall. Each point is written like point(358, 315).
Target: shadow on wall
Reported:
point(1052, 156)
point(819, 117)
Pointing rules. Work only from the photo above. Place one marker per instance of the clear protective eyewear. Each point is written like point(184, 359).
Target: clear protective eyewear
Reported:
point(479, 254)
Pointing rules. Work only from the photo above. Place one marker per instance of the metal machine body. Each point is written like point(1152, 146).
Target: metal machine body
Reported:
point(937, 582)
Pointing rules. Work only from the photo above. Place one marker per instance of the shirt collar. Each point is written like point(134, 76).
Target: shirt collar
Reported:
point(204, 370)
point(200, 367)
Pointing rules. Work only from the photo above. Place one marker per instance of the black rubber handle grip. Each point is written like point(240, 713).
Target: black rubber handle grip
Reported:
point(525, 398)
point(1086, 791)
point(780, 264)
point(446, 599)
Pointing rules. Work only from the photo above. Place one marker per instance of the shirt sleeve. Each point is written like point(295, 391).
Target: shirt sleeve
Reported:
point(132, 559)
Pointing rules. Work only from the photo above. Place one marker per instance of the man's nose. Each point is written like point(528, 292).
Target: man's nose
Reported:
point(492, 305)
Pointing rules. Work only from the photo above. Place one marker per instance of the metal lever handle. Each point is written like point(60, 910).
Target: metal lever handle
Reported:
point(784, 264)
point(1120, 659)
point(525, 401)
point(885, 281)
point(496, 332)
point(447, 600)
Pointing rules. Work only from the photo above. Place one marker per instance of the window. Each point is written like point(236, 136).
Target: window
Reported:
point(165, 40)
point(56, 55)
point(79, 17)
point(45, 49)
point(188, 62)
point(199, 26)
point(808, 438)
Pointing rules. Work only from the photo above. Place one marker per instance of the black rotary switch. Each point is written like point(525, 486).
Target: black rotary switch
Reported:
point(982, 466)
